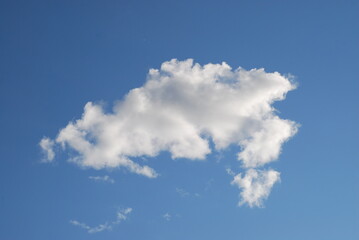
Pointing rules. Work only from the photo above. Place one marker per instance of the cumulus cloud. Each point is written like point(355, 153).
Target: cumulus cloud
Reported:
point(255, 185)
point(105, 178)
point(121, 216)
point(265, 145)
point(47, 146)
point(181, 108)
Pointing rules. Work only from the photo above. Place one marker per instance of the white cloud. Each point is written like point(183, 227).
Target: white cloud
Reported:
point(102, 179)
point(121, 216)
point(230, 172)
point(167, 216)
point(47, 146)
point(182, 192)
point(181, 107)
point(255, 185)
point(99, 228)
point(265, 145)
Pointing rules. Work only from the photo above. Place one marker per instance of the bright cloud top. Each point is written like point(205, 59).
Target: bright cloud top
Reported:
point(181, 107)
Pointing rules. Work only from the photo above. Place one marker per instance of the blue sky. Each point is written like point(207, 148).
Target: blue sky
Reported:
point(56, 56)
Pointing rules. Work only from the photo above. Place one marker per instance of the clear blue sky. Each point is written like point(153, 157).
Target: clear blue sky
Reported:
point(55, 56)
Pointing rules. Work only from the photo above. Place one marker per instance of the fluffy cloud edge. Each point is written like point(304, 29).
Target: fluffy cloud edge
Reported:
point(255, 186)
point(47, 147)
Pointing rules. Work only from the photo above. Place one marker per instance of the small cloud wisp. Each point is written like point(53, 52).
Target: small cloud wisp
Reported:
point(105, 178)
point(121, 216)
